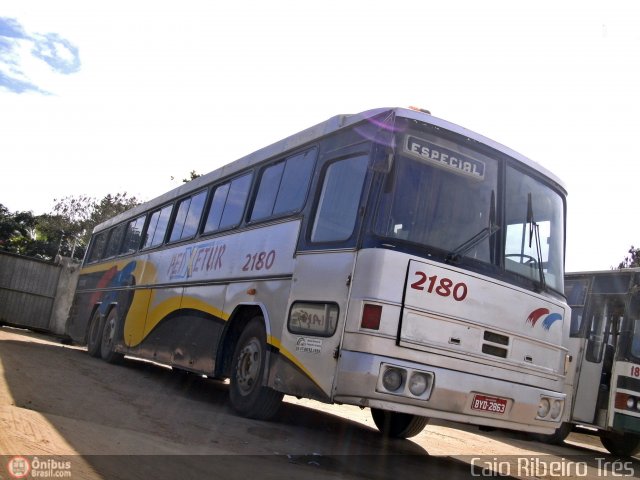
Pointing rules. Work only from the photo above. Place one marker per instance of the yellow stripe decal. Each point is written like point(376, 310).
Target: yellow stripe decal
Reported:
point(197, 304)
point(160, 311)
point(145, 272)
point(134, 323)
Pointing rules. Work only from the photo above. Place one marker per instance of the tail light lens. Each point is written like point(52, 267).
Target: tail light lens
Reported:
point(371, 315)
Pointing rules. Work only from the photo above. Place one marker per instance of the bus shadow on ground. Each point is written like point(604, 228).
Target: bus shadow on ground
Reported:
point(191, 411)
point(67, 387)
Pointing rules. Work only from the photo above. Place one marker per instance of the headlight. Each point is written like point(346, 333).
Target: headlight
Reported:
point(556, 409)
point(543, 407)
point(418, 384)
point(392, 379)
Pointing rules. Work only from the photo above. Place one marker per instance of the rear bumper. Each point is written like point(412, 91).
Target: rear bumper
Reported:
point(450, 395)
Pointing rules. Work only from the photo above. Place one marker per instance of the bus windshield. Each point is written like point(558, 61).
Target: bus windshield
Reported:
point(445, 196)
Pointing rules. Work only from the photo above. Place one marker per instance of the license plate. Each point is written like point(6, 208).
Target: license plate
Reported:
point(489, 404)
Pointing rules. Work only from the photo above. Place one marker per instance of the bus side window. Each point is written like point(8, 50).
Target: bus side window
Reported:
point(338, 207)
point(133, 235)
point(157, 227)
point(97, 247)
point(187, 219)
point(283, 186)
point(227, 204)
point(115, 241)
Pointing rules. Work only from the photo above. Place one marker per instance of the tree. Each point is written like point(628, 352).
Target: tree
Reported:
point(55, 231)
point(192, 176)
point(66, 231)
point(17, 230)
point(631, 260)
point(75, 218)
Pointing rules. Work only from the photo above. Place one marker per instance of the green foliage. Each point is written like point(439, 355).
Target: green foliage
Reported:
point(17, 231)
point(632, 260)
point(65, 231)
point(192, 176)
point(76, 217)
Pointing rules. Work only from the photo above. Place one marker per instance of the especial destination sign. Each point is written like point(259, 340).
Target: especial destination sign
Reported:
point(444, 157)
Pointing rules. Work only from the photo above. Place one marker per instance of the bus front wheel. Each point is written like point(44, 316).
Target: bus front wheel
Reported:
point(397, 424)
point(248, 396)
point(621, 444)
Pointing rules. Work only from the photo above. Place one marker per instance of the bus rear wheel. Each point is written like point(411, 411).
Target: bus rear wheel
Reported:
point(248, 396)
point(94, 337)
point(397, 424)
point(109, 336)
point(621, 444)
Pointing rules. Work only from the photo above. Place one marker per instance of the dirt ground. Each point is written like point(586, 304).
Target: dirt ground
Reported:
point(73, 416)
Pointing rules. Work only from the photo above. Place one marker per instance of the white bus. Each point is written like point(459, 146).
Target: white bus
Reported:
point(605, 339)
point(387, 259)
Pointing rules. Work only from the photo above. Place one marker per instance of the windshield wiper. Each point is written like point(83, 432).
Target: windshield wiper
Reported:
point(535, 228)
point(454, 255)
point(486, 232)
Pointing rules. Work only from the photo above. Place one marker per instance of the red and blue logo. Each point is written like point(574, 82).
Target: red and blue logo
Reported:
point(549, 318)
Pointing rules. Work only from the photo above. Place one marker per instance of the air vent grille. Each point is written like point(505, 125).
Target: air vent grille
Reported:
point(496, 338)
point(493, 350)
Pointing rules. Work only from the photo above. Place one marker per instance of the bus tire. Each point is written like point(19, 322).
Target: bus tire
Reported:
point(248, 396)
point(397, 424)
point(109, 335)
point(94, 336)
point(621, 444)
point(555, 438)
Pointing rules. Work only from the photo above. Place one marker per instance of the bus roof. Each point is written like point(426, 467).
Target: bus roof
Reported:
point(311, 134)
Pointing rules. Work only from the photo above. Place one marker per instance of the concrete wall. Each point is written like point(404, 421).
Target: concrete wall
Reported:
point(36, 294)
point(64, 295)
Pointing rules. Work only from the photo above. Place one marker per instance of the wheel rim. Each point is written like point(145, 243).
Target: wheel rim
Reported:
point(248, 369)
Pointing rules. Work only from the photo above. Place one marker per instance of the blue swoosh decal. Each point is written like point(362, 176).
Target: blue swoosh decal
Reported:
point(550, 320)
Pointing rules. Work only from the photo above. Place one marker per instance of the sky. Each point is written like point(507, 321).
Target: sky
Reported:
point(131, 96)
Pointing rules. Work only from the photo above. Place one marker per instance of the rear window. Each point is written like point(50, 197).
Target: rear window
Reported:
point(97, 247)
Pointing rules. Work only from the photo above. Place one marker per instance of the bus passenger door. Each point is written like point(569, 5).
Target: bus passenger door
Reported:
point(595, 368)
point(315, 320)
point(322, 275)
